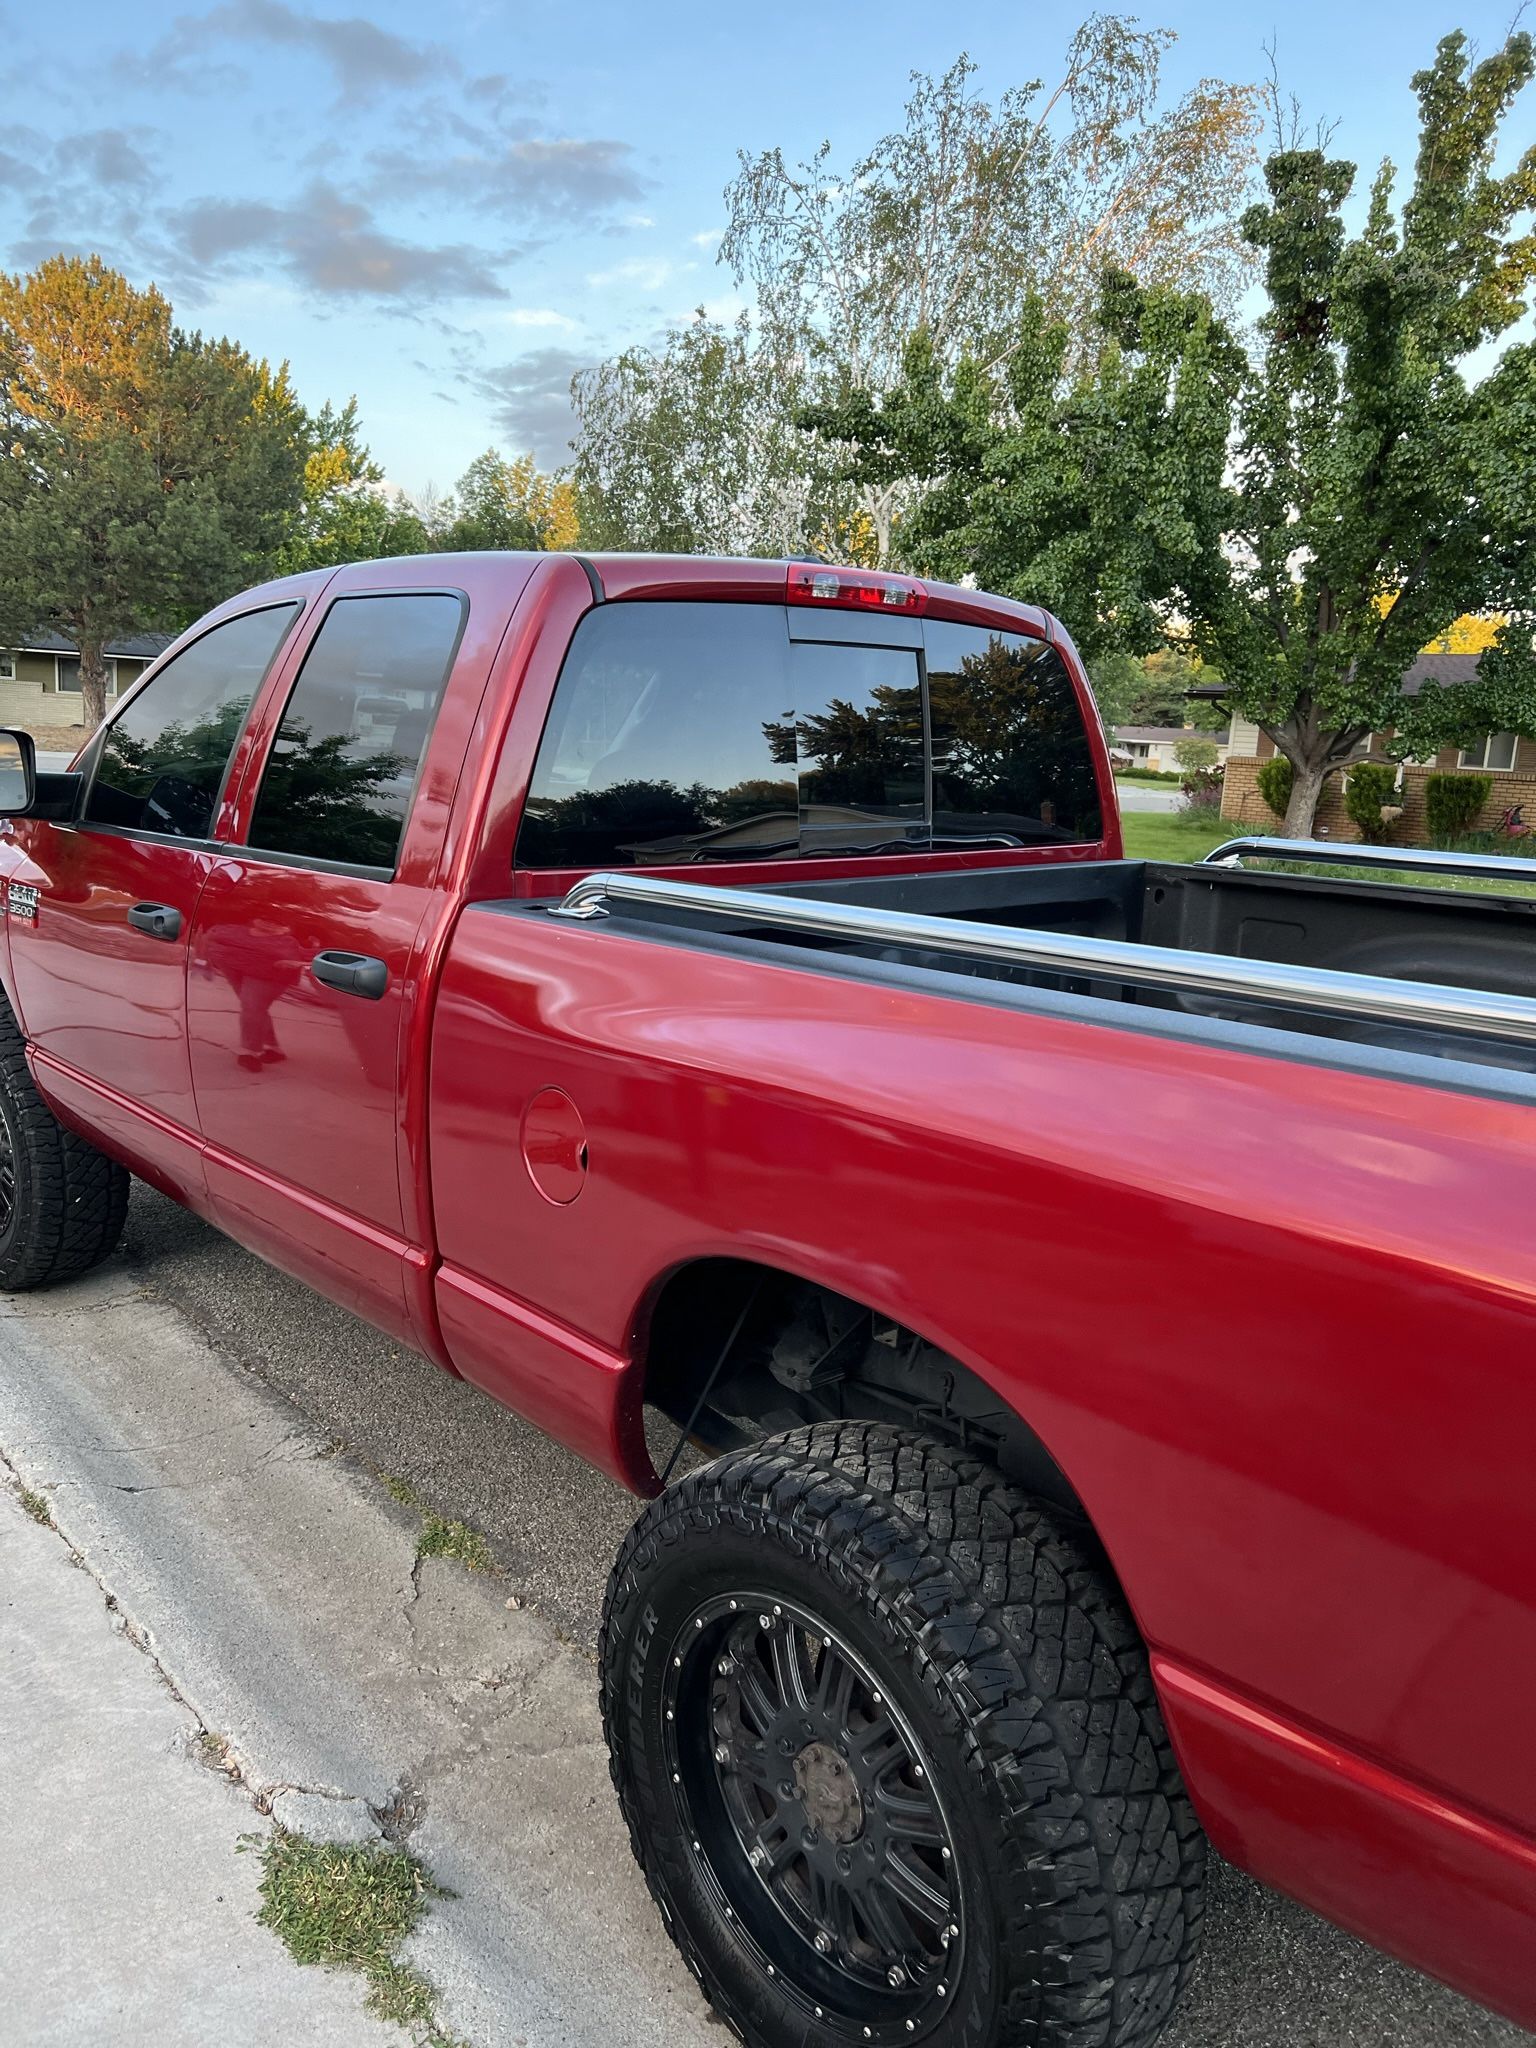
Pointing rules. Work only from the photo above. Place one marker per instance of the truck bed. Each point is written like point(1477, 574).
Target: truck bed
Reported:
point(1404, 970)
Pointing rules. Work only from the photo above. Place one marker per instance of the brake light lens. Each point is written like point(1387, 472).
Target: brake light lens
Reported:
point(858, 589)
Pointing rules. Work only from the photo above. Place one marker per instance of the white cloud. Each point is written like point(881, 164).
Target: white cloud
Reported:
point(649, 274)
point(533, 316)
point(706, 238)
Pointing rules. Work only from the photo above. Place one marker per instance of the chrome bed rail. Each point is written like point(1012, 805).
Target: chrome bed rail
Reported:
point(1501, 867)
point(1361, 997)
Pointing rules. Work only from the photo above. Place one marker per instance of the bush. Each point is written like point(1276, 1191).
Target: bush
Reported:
point(1370, 785)
point(1194, 756)
point(1451, 802)
point(1275, 776)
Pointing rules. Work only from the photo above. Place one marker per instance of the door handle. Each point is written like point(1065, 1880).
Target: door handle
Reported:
point(355, 974)
point(157, 920)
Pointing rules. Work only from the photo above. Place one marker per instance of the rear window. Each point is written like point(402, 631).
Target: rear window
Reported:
point(689, 733)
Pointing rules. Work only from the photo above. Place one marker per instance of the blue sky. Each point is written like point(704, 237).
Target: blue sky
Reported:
point(447, 210)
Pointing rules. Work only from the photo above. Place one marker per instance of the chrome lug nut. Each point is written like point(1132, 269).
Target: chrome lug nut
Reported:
point(823, 1943)
point(895, 1976)
point(722, 1754)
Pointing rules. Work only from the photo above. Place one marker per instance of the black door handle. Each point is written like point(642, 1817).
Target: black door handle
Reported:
point(355, 974)
point(159, 920)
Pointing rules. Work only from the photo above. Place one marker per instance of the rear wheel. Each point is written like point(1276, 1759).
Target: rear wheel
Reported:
point(62, 1203)
point(886, 1743)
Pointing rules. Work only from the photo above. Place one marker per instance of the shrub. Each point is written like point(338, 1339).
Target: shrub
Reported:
point(1370, 785)
point(1195, 755)
point(1275, 776)
point(1451, 802)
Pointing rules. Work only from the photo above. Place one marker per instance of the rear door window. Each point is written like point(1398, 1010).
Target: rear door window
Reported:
point(164, 757)
point(338, 782)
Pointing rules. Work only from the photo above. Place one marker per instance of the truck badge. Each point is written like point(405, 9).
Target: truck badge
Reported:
point(21, 902)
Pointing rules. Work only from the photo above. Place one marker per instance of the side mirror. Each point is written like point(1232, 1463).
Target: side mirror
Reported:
point(18, 773)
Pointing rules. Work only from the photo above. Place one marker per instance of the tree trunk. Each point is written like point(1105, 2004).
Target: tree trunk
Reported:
point(1306, 788)
point(93, 683)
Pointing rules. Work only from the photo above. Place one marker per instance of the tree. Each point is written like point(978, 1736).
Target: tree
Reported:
point(146, 472)
point(945, 225)
point(1312, 513)
point(344, 515)
point(691, 448)
point(502, 504)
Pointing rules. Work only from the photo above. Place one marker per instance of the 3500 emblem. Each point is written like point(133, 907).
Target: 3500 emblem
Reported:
point(21, 901)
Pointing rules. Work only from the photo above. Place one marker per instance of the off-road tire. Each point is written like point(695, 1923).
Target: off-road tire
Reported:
point(67, 1200)
point(1001, 1636)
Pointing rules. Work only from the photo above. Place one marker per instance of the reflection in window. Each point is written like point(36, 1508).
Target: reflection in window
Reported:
point(163, 760)
point(660, 746)
point(1011, 760)
point(338, 783)
point(857, 744)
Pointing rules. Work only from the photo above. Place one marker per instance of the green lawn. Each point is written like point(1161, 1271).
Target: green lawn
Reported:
point(1169, 835)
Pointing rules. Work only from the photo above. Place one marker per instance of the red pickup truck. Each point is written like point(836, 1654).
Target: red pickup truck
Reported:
point(1098, 1285)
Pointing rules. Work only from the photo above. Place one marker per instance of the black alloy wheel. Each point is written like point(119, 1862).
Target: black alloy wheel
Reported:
point(809, 1803)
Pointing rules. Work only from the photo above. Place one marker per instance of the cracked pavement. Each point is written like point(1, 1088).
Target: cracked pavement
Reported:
point(205, 1430)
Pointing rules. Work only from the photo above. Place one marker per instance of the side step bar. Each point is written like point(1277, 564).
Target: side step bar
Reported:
point(1361, 997)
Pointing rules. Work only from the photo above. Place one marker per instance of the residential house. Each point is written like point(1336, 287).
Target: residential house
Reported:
point(1152, 746)
point(1508, 758)
point(40, 679)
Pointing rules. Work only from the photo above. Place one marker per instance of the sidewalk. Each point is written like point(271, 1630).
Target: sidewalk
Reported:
point(126, 1914)
point(285, 1596)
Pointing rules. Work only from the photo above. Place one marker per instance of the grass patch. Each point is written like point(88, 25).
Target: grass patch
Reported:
point(466, 1546)
point(1175, 835)
point(349, 1908)
point(37, 1507)
point(439, 1536)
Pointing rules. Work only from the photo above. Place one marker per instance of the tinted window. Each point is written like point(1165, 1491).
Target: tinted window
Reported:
point(163, 760)
point(671, 739)
point(1011, 762)
point(338, 783)
point(858, 748)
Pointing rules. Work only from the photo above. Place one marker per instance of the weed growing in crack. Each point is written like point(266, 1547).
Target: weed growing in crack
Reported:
point(37, 1507)
point(398, 1490)
point(350, 1907)
point(466, 1546)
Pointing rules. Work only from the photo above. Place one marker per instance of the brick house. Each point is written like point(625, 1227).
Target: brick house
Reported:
point(1507, 758)
point(40, 680)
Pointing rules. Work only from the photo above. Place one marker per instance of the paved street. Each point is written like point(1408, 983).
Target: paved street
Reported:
point(272, 1571)
point(1147, 796)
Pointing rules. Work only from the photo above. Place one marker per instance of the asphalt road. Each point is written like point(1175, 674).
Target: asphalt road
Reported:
point(1273, 1975)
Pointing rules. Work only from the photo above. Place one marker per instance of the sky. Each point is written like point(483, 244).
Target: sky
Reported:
point(448, 210)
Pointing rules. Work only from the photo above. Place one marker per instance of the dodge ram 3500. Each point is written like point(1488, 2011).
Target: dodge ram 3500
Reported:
point(1097, 1286)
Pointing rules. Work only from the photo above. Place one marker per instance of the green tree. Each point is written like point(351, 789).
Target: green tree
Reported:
point(945, 225)
point(499, 503)
point(344, 515)
point(146, 472)
point(691, 448)
point(1312, 513)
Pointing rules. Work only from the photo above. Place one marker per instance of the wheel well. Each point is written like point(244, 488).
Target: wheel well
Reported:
point(737, 1350)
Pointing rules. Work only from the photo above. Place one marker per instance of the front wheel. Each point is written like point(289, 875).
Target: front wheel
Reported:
point(885, 1739)
point(62, 1203)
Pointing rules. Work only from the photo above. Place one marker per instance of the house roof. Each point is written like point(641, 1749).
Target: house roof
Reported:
point(1426, 668)
point(131, 646)
point(1441, 669)
point(1151, 734)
